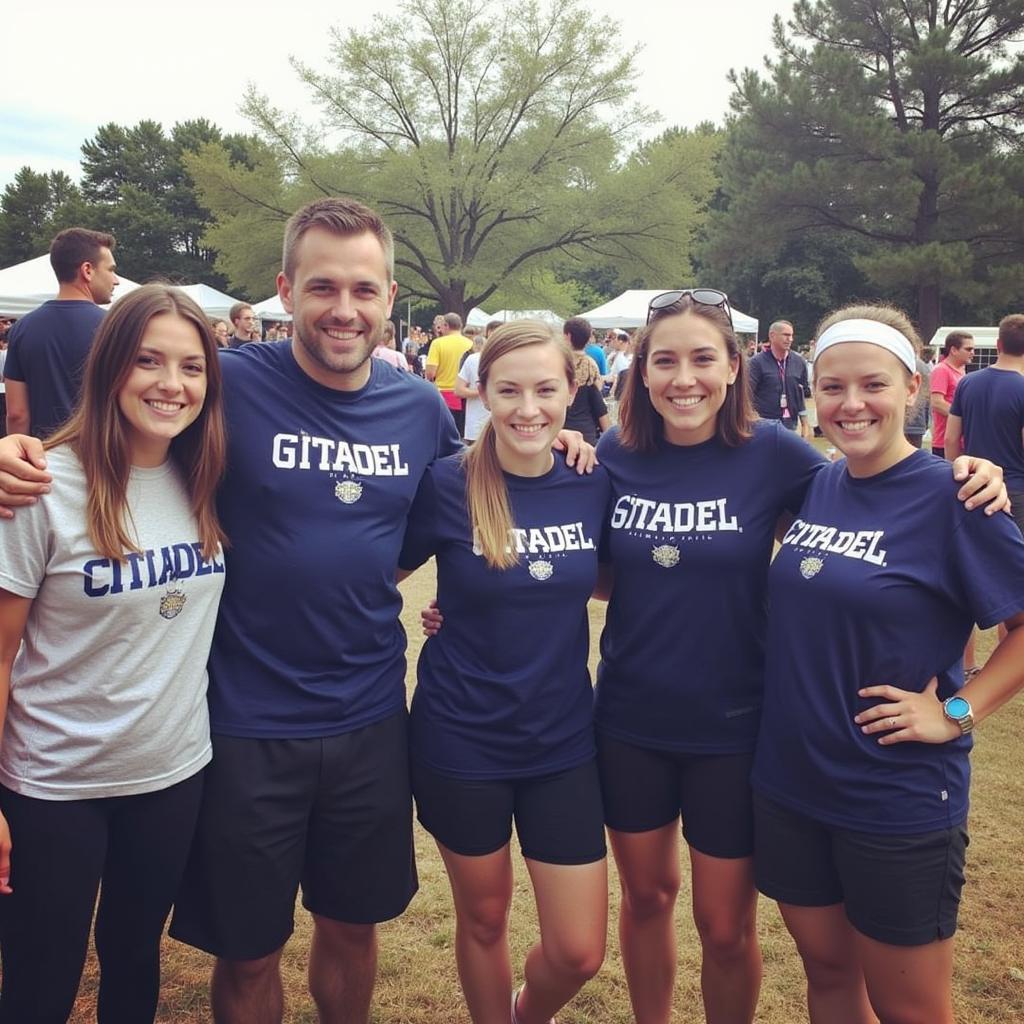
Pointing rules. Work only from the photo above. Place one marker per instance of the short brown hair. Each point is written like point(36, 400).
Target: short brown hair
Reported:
point(640, 424)
point(955, 339)
point(1011, 334)
point(578, 331)
point(236, 311)
point(72, 247)
point(340, 216)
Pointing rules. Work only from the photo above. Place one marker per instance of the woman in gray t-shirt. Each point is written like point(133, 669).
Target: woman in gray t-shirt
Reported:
point(109, 587)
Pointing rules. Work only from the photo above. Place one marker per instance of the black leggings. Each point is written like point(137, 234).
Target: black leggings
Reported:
point(61, 849)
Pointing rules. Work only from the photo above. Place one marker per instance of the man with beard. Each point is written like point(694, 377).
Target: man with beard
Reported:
point(307, 671)
point(309, 782)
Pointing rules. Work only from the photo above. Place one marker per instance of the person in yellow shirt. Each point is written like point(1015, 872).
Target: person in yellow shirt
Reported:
point(443, 361)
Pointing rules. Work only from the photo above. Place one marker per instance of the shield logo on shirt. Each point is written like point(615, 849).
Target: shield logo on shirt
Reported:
point(810, 567)
point(348, 491)
point(171, 603)
point(666, 555)
point(541, 570)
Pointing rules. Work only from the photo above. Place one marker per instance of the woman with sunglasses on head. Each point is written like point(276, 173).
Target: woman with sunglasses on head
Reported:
point(699, 487)
point(109, 585)
point(862, 768)
point(501, 718)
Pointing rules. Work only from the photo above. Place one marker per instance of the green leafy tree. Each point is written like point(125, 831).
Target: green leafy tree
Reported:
point(137, 177)
point(33, 208)
point(487, 136)
point(892, 127)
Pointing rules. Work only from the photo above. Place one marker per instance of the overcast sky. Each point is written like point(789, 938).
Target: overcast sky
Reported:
point(69, 67)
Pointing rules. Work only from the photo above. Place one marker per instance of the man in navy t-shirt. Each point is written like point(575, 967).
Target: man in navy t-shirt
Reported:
point(307, 672)
point(986, 416)
point(47, 348)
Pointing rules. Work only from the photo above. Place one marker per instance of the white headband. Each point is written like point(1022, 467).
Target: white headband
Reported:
point(872, 333)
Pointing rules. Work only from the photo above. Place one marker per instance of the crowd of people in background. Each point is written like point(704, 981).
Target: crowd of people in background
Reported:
point(202, 669)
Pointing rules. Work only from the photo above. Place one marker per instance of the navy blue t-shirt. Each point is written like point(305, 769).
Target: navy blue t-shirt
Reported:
point(503, 690)
point(690, 538)
point(318, 488)
point(991, 404)
point(47, 349)
point(879, 580)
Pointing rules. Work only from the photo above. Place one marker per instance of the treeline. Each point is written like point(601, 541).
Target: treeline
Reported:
point(877, 154)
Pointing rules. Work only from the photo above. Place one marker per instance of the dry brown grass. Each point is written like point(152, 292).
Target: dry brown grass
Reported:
point(418, 984)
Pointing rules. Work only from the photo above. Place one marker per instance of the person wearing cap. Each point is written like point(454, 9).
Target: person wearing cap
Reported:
point(862, 764)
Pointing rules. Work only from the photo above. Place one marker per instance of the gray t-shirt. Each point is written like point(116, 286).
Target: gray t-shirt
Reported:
point(108, 690)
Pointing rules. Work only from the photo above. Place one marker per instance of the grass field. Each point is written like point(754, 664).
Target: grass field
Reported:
point(417, 982)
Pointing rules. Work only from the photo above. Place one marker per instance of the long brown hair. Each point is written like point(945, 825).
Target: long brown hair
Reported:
point(641, 426)
point(98, 433)
point(490, 515)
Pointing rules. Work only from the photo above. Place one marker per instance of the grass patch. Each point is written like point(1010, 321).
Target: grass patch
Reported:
point(418, 983)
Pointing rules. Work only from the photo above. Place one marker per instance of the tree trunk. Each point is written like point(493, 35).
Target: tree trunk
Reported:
point(929, 310)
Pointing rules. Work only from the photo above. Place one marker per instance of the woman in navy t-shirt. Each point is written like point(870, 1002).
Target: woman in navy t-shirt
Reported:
point(861, 774)
point(501, 721)
point(699, 487)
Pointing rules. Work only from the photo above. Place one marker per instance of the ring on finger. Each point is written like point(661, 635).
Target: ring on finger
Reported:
point(892, 723)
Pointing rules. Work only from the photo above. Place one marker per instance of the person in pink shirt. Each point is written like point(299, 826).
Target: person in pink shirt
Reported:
point(958, 351)
point(386, 349)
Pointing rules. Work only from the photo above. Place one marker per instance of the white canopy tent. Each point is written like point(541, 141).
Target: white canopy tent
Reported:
point(630, 310)
point(213, 303)
point(546, 315)
point(271, 309)
point(26, 286)
point(476, 317)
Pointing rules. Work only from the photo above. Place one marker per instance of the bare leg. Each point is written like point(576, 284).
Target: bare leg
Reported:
point(909, 984)
point(648, 864)
point(725, 912)
point(827, 945)
point(482, 890)
point(342, 970)
point(572, 904)
point(247, 991)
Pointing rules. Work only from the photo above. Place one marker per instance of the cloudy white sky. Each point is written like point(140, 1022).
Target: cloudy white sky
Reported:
point(68, 68)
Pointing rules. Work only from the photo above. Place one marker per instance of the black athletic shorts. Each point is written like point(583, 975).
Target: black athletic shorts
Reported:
point(645, 789)
point(333, 815)
point(558, 817)
point(901, 890)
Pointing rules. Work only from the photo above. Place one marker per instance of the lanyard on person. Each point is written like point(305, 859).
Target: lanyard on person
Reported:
point(783, 401)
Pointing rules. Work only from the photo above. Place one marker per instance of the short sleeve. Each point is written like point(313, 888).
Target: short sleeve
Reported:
point(432, 357)
point(596, 402)
point(421, 527)
point(797, 464)
point(25, 550)
point(467, 371)
point(988, 557)
point(12, 365)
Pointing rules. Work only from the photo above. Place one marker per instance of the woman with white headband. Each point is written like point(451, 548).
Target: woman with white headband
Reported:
point(861, 772)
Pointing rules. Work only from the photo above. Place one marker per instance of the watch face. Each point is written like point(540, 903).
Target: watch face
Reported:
point(957, 707)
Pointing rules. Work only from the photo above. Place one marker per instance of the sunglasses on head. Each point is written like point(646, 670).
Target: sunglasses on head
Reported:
point(702, 296)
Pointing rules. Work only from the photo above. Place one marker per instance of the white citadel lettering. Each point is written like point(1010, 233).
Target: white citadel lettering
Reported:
point(304, 451)
point(859, 544)
point(633, 513)
point(546, 540)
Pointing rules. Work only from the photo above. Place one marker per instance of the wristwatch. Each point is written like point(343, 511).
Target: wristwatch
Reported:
point(959, 710)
